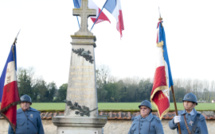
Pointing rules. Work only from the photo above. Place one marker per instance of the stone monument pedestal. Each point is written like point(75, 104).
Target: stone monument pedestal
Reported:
point(79, 125)
point(81, 112)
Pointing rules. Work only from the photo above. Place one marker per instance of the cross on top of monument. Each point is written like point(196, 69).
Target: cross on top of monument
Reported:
point(84, 12)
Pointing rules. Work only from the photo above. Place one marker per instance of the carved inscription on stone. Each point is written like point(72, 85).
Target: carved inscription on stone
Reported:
point(83, 81)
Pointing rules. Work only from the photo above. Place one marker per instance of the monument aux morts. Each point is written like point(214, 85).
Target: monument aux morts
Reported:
point(81, 112)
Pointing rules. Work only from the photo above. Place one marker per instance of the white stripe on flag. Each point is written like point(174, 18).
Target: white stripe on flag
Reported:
point(10, 73)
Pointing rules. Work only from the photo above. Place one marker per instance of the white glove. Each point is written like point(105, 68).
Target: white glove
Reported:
point(177, 119)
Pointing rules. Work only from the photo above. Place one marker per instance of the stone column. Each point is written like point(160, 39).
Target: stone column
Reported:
point(81, 112)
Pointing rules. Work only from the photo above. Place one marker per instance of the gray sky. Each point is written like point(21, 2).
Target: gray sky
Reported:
point(46, 26)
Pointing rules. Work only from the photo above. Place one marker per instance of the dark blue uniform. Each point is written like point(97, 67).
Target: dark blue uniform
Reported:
point(148, 125)
point(201, 127)
point(28, 122)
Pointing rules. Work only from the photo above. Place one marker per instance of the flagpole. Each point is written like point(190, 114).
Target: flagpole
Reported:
point(98, 16)
point(176, 110)
point(16, 38)
point(14, 43)
point(78, 21)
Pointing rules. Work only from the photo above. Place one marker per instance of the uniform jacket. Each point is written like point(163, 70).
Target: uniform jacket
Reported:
point(31, 124)
point(149, 125)
point(201, 127)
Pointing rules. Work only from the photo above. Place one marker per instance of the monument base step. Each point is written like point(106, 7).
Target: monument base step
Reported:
point(79, 125)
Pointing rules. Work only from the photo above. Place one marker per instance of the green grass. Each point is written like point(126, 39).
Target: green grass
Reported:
point(134, 106)
point(117, 106)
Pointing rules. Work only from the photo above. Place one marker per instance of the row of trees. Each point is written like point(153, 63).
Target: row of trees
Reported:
point(109, 89)
point(38, 89)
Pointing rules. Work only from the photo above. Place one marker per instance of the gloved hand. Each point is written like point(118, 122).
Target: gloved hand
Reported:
point(177, 119)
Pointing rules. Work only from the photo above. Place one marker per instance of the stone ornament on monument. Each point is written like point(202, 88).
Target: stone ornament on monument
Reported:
point(81, 112)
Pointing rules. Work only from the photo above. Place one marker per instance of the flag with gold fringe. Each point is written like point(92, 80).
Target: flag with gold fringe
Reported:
point(162, 77)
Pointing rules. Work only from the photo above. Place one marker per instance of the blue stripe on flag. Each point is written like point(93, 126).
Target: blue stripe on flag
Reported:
point(110, 5)
point(77, 3)
point(165, 53)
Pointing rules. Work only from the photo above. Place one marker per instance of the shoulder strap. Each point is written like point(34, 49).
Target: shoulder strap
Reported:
point(195, 123)
point(150, 124)
point(186, 125)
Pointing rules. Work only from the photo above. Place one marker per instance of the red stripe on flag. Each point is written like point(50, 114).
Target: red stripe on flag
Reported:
point(161, 101)
point(10, 94)
point(157, 96)
point(9, 100)
point(120, 23)
point(102, 17)
point(10, 115)
point(159, 78)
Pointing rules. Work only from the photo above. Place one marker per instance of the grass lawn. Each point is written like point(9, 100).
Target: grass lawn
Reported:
point(117, 106)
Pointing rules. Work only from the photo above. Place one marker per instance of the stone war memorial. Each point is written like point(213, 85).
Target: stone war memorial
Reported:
point(81, 112)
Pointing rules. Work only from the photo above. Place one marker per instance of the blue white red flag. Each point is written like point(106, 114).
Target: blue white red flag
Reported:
point(114, 7)
point(163, 77)
point(92, 5)
point(9, 95)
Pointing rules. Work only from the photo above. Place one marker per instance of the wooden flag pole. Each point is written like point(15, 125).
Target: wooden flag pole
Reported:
point(176, 110)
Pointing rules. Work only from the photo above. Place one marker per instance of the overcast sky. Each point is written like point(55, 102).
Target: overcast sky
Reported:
point(46, 26)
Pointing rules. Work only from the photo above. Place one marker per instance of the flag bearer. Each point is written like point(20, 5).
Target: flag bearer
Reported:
point(191, 122)
point(28, 119)
point(146, 122)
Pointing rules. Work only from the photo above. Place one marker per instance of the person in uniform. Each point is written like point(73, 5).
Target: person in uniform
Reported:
point(28, 119)
point(191, 122)
point(146, 122)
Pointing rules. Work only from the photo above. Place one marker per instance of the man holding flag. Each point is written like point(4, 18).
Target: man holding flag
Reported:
point(28, 118)
point(9, 96)
point(190, 120)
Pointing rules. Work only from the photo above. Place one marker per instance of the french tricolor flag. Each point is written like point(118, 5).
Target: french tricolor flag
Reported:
point(163, 77)
point(9, 95)
point(114, 7)
point(92, 5)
